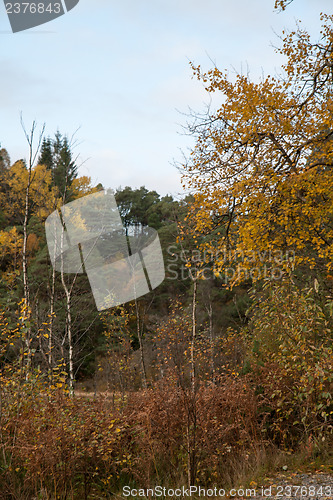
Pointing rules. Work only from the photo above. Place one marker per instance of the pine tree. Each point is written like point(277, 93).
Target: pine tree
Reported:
point(46, 154)
point(56, 155)
point(65, 169)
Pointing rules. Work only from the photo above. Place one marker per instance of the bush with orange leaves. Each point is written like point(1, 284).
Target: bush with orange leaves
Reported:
point(73, 448)
point(227, 430)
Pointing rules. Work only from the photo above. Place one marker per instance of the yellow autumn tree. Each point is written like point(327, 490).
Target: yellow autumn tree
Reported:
point(81, 186)
point(11, 243)
point(43, 199)
point(262, 165)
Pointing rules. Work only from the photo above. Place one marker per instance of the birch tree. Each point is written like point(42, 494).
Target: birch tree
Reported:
point(32, 156)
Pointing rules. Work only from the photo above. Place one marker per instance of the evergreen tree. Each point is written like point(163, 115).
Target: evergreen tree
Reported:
point(4, 159)
point(46, 154)
point(135, 204)
point(56, 154)
point(65, 169)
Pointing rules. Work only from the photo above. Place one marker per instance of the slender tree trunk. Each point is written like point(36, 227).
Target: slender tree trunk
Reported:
point(211, 340)
point(70, 346)
point(68, 293)
point(192, 399)
point(193, 338)
point(189, 468)
point(26, 314)
point(50, 340)
point(27, 306)
point(52, 300)
point(142, 356)
point(191, 434)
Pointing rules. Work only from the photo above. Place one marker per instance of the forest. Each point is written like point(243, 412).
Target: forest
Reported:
point(223, 373)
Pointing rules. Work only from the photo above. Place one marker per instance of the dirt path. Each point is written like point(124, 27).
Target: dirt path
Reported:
point(303, 486)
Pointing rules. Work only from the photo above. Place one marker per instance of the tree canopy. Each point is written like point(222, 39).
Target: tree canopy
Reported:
point(262, 164)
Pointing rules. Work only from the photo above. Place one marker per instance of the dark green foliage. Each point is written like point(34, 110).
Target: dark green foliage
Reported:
point(56, 155)
point(4, 160)
point(46, 154)
point(134, 206)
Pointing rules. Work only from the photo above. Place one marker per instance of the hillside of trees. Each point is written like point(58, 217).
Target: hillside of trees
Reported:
point(223, 373)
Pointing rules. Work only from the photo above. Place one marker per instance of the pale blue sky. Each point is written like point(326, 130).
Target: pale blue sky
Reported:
point(120, 71)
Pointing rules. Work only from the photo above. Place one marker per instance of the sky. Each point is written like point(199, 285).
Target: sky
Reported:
point(117, 73)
